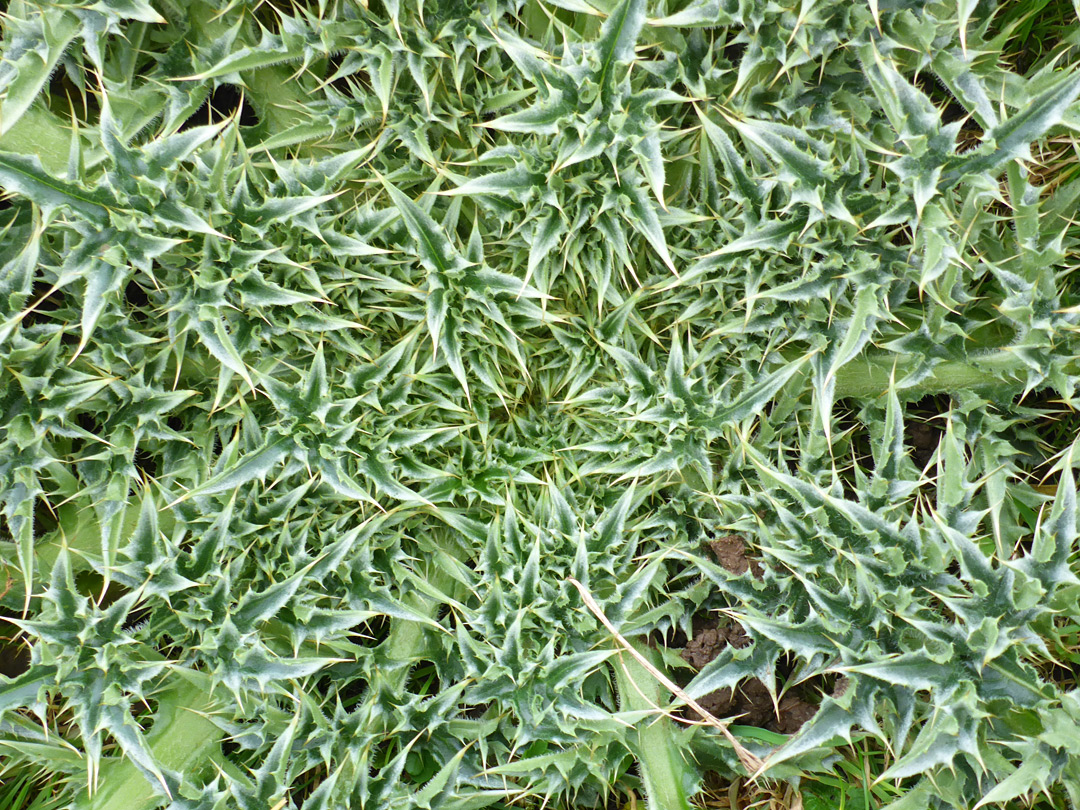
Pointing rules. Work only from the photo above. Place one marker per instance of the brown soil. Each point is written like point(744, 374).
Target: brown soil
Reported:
point(923, 439)
point(730, 552)
point(794, 711)
point(751, 701)
point(14, 658)
point(475, 712)
point(705, 646)
point(752, 705)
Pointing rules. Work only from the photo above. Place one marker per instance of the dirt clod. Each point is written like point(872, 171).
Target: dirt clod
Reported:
point(793, 712)
point(736, 636)
point(703, 648)
point(710, 640)
point(730, 552)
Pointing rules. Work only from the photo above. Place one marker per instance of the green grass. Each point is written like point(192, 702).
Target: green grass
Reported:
point(25, 791)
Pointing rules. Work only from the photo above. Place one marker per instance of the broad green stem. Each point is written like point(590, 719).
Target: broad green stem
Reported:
point(868, 376)
point(183, 739)
point(79, 532)
point(664, 772)
point(408, 640)
point(39, 132)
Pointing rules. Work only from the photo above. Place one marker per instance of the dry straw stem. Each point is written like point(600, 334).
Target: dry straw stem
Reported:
point(753, 764)
point(739, 796)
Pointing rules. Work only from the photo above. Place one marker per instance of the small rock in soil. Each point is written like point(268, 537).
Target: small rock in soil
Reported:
point(840, 686)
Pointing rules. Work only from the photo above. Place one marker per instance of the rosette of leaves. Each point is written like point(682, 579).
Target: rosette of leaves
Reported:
point(337, 338)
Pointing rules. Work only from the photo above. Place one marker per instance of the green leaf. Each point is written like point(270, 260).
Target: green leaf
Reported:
point(39, 43)
point(25, 175)
point(253, 465)
point(541, 119)
point(744, 189)
point(618, 36)
point(646, 222)
point(1011, 139)
point(435, 249)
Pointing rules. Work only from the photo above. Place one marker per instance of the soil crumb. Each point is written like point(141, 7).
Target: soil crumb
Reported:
point(730, 552)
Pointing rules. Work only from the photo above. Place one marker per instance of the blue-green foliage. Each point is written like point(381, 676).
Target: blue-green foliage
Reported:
point(336, 337)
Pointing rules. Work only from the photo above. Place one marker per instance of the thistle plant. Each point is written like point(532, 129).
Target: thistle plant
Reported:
point(352, 353)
